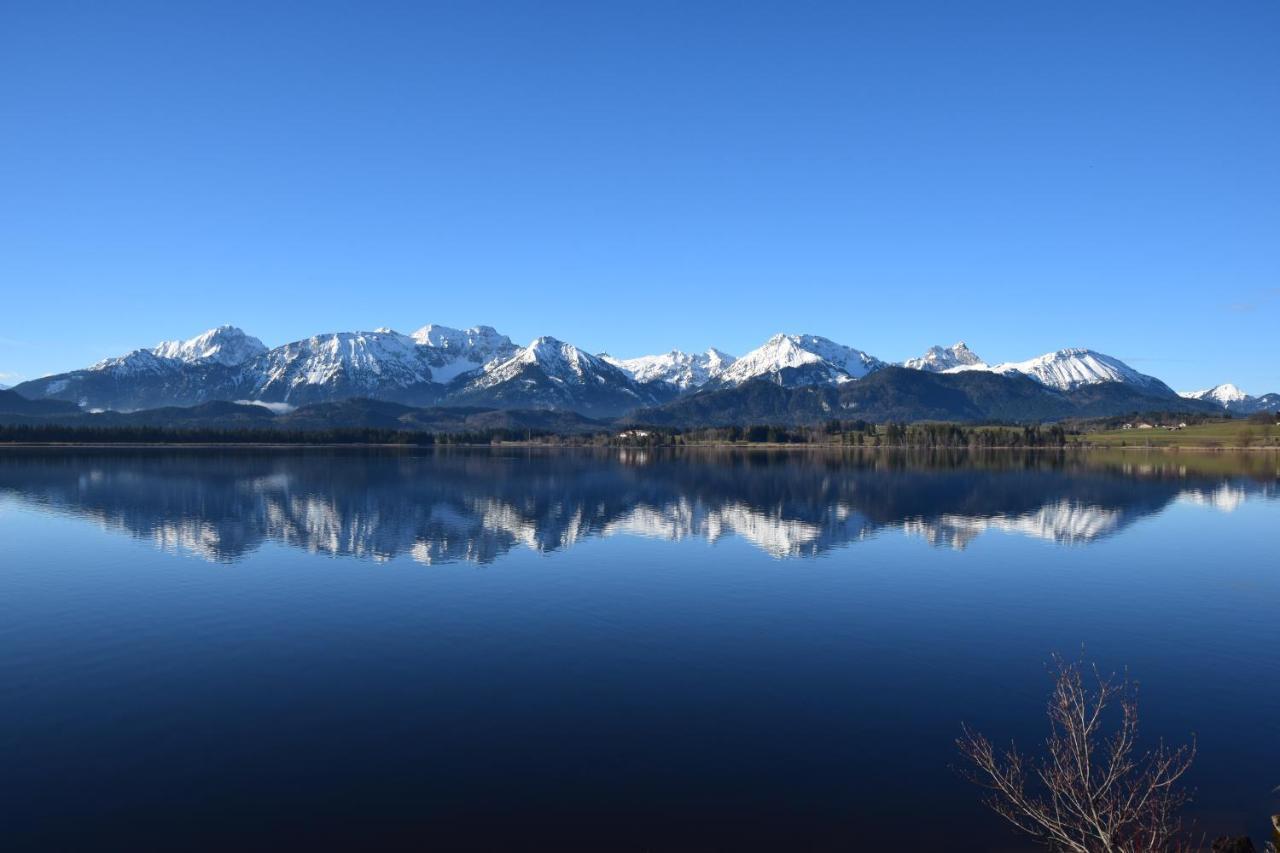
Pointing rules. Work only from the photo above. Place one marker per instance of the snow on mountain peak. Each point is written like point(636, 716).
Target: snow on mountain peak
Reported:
point(681, 369)
point(554, 356)
point(361, 361)
point(1070, 368)
point(801, 360)
point(453, 352)
point(225, 345)
point(1233, 399)
point(482, 366)
point(719, 356)
point(560, 359)
point(1226, 394)
point(561, 362)
point(445, 337)
point(939, 359)
point(547, 348)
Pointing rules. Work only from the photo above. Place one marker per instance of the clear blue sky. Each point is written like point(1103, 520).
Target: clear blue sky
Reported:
point(638, 176)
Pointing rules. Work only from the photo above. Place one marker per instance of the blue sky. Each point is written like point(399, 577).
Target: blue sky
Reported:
point(641, 176)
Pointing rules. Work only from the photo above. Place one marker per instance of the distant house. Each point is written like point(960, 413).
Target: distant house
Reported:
point(1145, 426)
point(1127, 426)
point(634, 433)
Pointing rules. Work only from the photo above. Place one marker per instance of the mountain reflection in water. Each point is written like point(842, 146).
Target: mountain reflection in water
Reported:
point(475, 506)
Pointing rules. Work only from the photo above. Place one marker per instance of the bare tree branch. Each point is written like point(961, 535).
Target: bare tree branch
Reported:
point(1092, 793)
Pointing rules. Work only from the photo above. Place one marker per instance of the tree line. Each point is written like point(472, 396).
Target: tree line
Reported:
point(58, 434)
point(855, 434)
point(838, 433)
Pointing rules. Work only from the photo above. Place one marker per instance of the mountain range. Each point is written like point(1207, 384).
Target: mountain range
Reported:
point(790, 378)
point(1234, 400)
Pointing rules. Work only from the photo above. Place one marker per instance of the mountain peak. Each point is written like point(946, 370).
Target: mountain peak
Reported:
point(563, 360)
point(1234, 399)
point(557, 359)
point(226, 345)
point(452, 352)
point(1226, 394)
point(790, 360)
point(681, 369)
point(550, 373)
point(938, 359)
point(1072, 367)
point(478, 365)
point(447, 337)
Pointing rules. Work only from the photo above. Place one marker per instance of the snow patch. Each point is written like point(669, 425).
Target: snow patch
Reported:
point(1068, 369)
point(682, 369)
point(941, 359)
point(225, 345)
point(813, 360)
point(1226, 393)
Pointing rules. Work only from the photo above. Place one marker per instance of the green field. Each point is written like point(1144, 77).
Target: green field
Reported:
point(1219, 434)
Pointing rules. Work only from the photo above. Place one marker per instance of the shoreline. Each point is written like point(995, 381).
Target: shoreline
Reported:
point(251, 445)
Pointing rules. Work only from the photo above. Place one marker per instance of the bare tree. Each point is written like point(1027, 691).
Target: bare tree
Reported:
point(1091, 792)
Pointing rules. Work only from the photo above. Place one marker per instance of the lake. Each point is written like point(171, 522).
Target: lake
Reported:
point(267, 649)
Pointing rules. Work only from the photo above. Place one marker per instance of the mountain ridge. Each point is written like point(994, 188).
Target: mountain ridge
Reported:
point(1235, 400)
point(938, 359)
point(681, 369)
point(896, 393)
point(478, 366)
point(791, 360)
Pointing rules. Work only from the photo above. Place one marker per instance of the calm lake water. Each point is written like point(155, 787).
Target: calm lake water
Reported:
point(615, 650)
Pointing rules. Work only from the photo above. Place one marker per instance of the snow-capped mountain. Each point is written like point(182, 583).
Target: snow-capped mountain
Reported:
point(939, 359)
point(1231, 398)
point(172, 373)
point(346, 364)
point(226, 364)
point(795, 360)
point(1225, 395)
point(439, 365)
point(1068, 369)
point(682, 369)
point(225, 345)
point(453, 352)
point(383, 364)
point(552, 374)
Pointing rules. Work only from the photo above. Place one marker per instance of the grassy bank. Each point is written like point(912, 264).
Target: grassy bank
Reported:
point(1224, 435)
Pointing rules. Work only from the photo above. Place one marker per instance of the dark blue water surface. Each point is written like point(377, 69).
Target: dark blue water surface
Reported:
point(254, 649)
